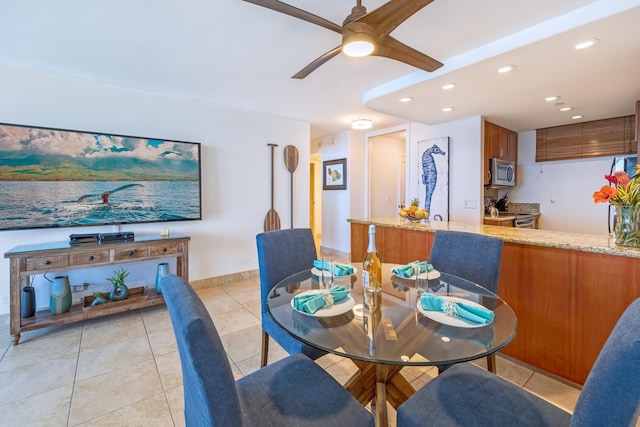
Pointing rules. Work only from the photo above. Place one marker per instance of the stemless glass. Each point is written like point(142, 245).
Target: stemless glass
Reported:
point(327, 272)
point(421, 281)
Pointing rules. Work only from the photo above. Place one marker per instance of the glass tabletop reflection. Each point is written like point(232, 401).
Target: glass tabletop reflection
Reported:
point(397, 331)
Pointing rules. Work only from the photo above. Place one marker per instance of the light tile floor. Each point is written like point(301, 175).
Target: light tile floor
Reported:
point(125, 369)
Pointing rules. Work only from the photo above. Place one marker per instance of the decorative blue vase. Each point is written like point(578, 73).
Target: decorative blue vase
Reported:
point(163, 270)
point(28, 302)
point(60, 301)
point(118, 293)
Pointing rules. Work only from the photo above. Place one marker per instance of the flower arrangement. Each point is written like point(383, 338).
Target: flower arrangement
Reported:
point(624, 195)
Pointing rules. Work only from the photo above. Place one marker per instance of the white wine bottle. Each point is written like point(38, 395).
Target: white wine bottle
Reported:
point(371, 268)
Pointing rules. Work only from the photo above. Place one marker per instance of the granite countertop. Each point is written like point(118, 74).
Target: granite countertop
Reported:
point(597, 243)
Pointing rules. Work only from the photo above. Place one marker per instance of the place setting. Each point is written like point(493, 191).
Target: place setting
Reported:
point(330, 300)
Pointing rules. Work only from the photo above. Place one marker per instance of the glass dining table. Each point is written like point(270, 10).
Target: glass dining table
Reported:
point(396, 333)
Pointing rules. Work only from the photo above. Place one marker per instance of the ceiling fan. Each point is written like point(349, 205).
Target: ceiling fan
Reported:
point(364, 33)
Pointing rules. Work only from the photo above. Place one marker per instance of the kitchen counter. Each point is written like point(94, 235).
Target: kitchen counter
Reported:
point(596, 243)
point(567, 289)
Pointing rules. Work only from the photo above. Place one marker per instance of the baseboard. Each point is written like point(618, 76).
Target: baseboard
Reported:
point(335, 253)
point(223, 280)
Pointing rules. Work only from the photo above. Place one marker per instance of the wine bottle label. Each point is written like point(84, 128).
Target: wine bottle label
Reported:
point(365, 279)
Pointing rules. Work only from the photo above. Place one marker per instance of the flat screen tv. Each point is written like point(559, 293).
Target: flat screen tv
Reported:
point(64, 178)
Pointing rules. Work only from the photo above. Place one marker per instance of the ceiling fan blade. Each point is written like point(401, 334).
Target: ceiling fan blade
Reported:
point(287, 9)
point(389, 47)
point(317, 63)
point(391, 14)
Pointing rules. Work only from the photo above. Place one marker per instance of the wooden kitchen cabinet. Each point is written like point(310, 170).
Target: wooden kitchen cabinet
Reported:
point(499, 143)
point(500, 222)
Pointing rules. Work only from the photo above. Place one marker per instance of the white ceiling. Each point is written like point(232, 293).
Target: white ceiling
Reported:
point(239, 54)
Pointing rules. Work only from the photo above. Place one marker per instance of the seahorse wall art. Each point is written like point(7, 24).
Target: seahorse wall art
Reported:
point(428, 174)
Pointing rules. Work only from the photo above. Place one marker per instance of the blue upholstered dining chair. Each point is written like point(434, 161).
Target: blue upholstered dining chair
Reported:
point(466, 395)
point(474, 257)
point(282, 253)
point(294, 391)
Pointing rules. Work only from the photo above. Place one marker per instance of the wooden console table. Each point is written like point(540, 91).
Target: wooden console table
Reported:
point(27, 260)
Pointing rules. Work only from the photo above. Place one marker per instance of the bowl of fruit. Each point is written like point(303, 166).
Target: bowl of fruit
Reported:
point(413, 213)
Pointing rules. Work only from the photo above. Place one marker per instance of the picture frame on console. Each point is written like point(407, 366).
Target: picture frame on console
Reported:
point(334, 174)
point(65, 178)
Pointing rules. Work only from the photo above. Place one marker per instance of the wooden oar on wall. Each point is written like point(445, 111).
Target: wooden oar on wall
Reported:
point(272, 220)
point(291, 162)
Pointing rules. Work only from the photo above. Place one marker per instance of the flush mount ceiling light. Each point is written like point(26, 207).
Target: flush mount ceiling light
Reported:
point(361, 123)
point(406, 99)
point(447, 109)
point(584, 44)
point(565, 108)
point(551, 98)
point(448, 86)
point(505, 68)
point(579, 116)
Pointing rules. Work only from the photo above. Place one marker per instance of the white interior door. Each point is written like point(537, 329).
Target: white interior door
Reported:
point(387, 172)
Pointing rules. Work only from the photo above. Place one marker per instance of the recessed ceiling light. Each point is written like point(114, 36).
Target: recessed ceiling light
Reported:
point(551, 98)
point(584, 44)
point(406, 99)
point(447, 109)
point(448, 86)
point(505, 68)
point(579, 116)
point(361, 123)
point(566, 108)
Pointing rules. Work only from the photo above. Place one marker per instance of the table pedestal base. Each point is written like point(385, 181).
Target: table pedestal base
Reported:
point(380, 384)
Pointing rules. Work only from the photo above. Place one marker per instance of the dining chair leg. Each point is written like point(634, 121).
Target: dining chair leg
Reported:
point(491, 363)
point(265, 349)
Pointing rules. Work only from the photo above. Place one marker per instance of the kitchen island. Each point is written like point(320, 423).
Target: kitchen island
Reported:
point(567, 289)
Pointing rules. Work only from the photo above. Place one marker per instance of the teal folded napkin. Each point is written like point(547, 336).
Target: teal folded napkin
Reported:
point(409, 270)
point(456, 308)
point(310, 303)
point(338, 269)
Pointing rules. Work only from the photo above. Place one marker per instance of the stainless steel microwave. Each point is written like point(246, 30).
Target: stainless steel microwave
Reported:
point(503, 173)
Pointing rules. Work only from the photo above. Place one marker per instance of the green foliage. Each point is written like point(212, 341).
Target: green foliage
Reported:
point(118, 278)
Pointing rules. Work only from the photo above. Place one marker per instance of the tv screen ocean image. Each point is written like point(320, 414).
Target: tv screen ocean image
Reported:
point(54, 178)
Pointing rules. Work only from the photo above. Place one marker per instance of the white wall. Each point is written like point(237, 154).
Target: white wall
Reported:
point(465, 165)
point(564, 189)
point(235, 171)
point(336, 203)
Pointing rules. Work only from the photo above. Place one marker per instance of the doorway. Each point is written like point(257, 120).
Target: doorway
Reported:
point(387, 173)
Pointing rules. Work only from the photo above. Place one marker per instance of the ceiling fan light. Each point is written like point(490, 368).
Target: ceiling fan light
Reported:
point(358, 48)
point(361, 123)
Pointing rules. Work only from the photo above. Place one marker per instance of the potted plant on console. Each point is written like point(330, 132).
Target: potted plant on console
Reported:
point(119, 290)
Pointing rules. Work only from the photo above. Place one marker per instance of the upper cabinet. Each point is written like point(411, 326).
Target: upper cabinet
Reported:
point(499, 143)
point(608, 137)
